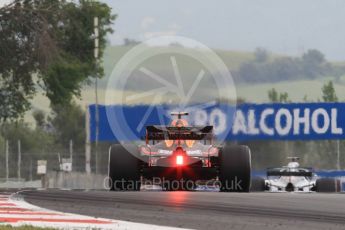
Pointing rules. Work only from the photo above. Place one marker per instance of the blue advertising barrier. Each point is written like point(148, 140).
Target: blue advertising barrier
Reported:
point(294, 121)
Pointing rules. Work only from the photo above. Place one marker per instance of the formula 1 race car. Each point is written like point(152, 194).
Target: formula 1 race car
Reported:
point(178, 156)
point(293, 178)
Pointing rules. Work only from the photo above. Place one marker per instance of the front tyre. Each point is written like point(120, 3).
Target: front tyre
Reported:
point(124, 168)
point(327, 185)
point(235, 168)
point(258, 184)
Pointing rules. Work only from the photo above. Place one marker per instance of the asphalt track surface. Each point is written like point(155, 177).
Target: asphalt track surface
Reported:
point(202, 210)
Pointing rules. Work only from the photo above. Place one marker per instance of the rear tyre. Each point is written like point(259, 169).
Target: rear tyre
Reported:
point(327, 185)
point(235, 168)
point(258, 184)
point(124, 168)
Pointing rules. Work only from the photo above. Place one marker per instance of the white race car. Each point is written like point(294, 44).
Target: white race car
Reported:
point(293, 178)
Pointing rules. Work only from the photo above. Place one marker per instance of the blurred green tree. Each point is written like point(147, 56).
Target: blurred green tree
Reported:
point(314, 63)
point(261, 55)
point(35, 144)
point(328, 92)
point(40, 118)
point(48, 43)
point(274, 96)
point(68, 122)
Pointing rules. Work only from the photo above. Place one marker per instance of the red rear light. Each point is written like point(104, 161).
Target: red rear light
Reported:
point(179, 160)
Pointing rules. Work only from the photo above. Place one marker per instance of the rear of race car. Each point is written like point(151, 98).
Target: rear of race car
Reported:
point(178, 157)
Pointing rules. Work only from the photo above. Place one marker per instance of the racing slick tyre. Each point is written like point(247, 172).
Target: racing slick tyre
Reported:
point(327, 185)
point(258, 184)
point(234, 168)
point(124, 168)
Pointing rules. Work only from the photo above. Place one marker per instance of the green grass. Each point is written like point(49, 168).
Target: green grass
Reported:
point(297, 90)
point(233, 59)
point(256, 93)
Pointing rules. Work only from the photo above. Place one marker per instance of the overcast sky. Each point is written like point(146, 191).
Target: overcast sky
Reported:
point(287, 27)
point(3, 2)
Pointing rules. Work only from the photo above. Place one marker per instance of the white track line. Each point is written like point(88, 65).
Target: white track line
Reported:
point(16, 212)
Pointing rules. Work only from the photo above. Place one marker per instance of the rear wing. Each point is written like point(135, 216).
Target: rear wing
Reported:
point(160, 133)
point(279, 172)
